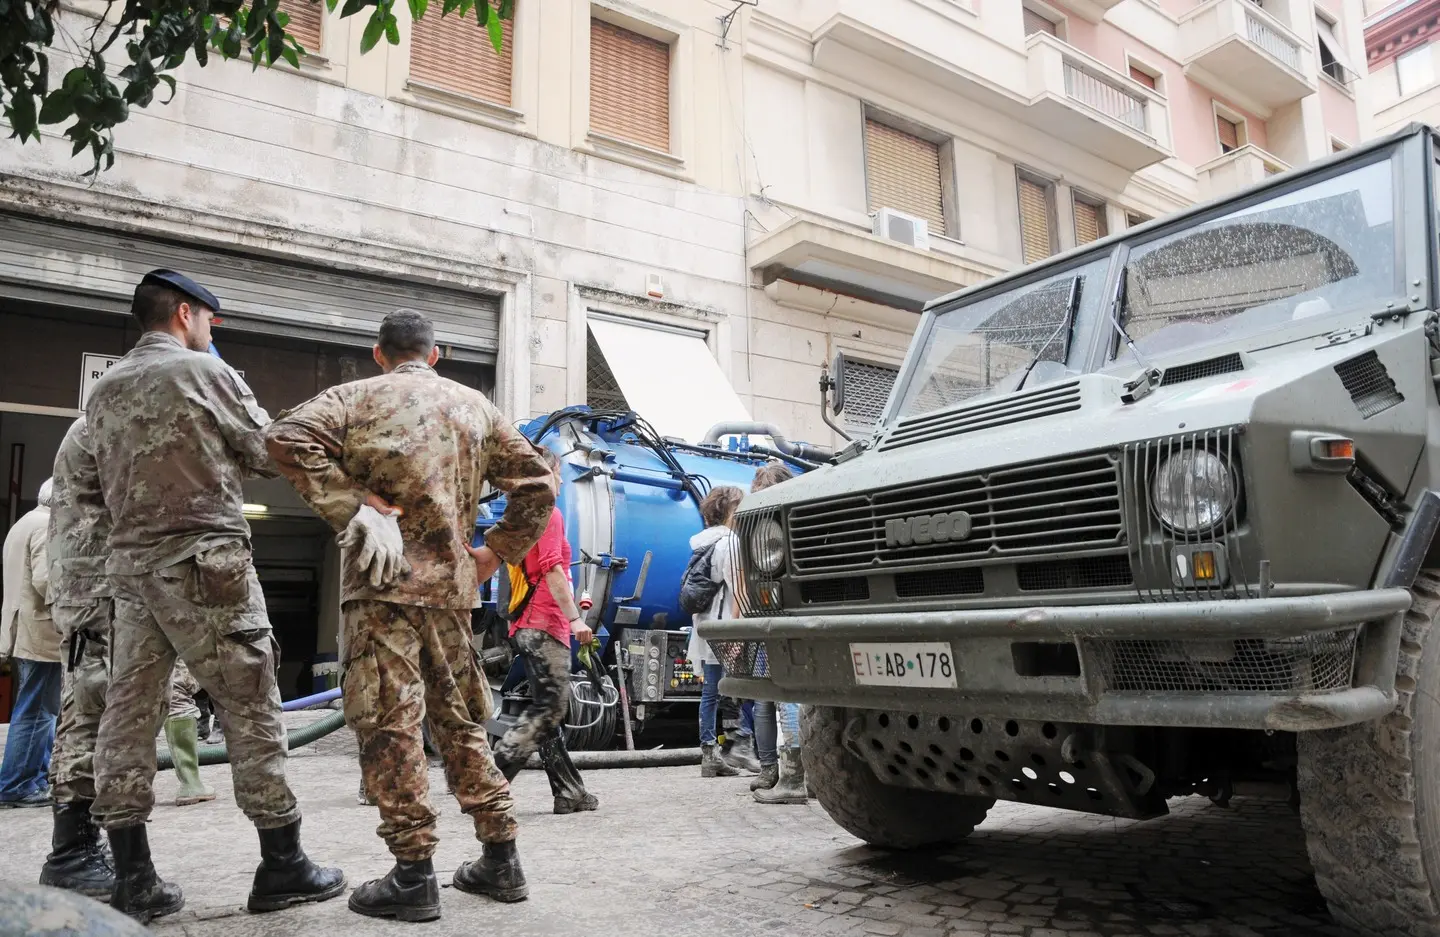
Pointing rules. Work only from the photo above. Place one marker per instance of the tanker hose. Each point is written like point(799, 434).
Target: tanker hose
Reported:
point(649, 758)
point(799, 450)
point(305, 702)
point(295, 738)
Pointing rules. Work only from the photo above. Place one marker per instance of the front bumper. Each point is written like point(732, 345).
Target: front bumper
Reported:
point(1177, 652)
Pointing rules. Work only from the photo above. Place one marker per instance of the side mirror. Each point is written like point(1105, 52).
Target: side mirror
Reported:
point(837, 383)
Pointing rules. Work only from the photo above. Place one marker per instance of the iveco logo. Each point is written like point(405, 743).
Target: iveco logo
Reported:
point(927, 528)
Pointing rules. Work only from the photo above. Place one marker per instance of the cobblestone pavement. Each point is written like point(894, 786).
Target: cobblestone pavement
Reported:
point(670, 853)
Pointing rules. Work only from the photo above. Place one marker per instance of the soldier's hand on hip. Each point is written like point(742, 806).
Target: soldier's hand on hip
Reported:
point(379, 547)
point(487, 561)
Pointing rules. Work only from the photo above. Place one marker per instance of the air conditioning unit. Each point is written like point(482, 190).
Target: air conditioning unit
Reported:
point(897, 226)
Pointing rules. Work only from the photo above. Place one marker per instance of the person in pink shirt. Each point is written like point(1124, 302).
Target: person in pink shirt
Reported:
point(542, 636)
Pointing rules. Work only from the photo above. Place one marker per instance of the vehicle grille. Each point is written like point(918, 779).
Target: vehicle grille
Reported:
point(1015, 408)
point(1195, 370)
point(1054, 508)
point(1090, 572)
point(1313, 663)
point(825, 591)
point(741, 658)
point(926, 583)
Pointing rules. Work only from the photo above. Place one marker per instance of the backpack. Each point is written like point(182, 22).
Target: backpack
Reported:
point(516, 591)
point(697, 589)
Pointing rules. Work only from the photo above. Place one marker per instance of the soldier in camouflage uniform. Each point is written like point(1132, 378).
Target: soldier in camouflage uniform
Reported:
point(81, 608)
point(173, 431)
point(426, 445)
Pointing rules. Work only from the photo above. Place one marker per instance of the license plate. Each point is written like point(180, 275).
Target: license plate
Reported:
point(917, 664)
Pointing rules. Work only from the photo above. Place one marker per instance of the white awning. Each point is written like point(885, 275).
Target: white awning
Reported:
point(668, 376)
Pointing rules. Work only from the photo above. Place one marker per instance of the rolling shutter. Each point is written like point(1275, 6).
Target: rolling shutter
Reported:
point(902, 172)
point(97, 269)
point(629, 86)
point(1229, 133)
point(1089, 222)
point(455, 53)
point(1145, 78)
point(1035, 23)
point(1036, 239)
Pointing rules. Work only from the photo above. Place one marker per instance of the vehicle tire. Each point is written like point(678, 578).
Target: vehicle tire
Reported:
point(1370, 795)
point(881, 815)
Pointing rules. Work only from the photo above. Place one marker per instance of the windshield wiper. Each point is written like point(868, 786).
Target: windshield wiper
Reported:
point(1072, 304)
point(1142, 385)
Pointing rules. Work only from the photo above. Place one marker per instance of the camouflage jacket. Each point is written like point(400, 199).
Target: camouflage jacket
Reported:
point(79, 523)
point(174, 432)
point(427, 445)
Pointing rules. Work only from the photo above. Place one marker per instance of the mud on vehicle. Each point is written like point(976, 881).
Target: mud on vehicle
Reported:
point(1154, 518)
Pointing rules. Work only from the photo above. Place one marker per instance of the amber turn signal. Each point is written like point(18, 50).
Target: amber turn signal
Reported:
point(1339, 448)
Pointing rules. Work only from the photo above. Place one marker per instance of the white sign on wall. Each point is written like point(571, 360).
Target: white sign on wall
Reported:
point(92, 368)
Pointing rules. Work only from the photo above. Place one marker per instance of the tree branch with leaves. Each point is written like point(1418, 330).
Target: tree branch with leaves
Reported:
point(156, 37)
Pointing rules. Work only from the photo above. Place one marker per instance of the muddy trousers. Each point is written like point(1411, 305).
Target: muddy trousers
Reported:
point(540, 727)
point(209, 611)
point(85, 654)
point(404, 663)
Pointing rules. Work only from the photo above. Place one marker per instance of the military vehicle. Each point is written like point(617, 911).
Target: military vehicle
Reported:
point(1154, 518)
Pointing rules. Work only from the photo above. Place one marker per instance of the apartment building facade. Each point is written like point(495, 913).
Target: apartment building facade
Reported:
point(902, 150)
point(1403, 61)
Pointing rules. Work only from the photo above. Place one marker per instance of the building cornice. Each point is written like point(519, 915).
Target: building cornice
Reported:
point(1409, 27)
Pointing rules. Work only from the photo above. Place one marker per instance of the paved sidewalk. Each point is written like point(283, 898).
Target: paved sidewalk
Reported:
point(670, 853)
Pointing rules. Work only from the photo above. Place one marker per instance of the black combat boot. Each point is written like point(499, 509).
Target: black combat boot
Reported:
point(496, 874)
point(408, 893)
point(77, 860)
point(286, 876)
point(139, 892)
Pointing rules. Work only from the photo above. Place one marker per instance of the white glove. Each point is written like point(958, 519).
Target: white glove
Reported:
point(375, 538)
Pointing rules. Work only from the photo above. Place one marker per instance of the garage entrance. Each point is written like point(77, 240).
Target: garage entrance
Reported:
point(292, 330)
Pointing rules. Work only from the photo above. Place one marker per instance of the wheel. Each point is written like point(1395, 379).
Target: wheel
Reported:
point(1370, 795)
point(881, 815)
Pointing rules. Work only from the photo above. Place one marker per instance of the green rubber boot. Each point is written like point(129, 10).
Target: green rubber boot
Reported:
point(181, 734)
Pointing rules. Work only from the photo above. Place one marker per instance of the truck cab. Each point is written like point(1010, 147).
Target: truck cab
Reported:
point(1153, 518)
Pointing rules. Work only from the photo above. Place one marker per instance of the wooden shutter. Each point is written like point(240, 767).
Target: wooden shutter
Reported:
point(1035, 23)
point(1035, 233)
point(902, 171)
point(1089, 222)
point(629, 86)
point(455, 53)
point(1229, 133)
point(1145, 78)
point(304, 22)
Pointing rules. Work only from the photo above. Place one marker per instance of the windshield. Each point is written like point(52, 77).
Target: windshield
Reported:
point(1022, 335)
point(1316, 250)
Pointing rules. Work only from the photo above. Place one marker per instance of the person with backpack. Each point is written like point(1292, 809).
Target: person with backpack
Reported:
point(707, 591)
point(782, 775)
point(543, 618)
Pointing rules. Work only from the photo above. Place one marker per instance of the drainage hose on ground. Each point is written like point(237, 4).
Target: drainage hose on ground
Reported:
point(295, 738)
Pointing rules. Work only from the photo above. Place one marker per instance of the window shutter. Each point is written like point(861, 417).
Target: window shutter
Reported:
point(304, 23)
point(1134, 219)
point(629, 86)
point(1035, 235)
point(1035, 23)
point(867, 388)
point(1145, 78)
point(1229, 134)
point(902, 171)
point(1089, 222)
point(455, 53)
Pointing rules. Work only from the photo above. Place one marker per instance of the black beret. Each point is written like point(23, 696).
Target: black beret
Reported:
point(185, 285)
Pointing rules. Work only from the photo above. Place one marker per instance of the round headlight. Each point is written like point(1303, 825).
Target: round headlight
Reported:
point(767, 546)
point(1193, 491)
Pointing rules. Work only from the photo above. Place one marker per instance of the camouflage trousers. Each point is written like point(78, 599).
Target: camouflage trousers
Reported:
point(539, 728)
point(404, 663)
point(85, 652)
point(209, 611)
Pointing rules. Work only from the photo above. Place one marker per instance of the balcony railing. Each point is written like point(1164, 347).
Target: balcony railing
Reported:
point(1105, 96)
point(1267, 37)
